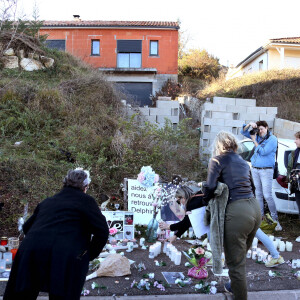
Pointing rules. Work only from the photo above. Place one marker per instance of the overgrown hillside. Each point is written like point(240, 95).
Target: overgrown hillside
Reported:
point(70, 116)
point(279, 88)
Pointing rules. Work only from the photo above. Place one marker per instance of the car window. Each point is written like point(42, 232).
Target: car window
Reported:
point(244, 149)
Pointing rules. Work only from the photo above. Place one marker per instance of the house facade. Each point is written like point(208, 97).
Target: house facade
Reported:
point(275, 54)
point(139, 56)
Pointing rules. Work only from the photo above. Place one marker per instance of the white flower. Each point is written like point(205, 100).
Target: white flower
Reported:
point(151, 275)
point(94, 285)
point(213, 283)
point(190, 251)
point(177, 281)
point(157, 263)
point(213, 290)
point(198, 286)
point(271, 274)
point(187, 264)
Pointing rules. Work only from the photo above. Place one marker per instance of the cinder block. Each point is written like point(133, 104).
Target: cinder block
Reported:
point(167, 104)
point(288, 125)
point(216, 129)
point(221, 115)
point(208, 135)
point(151, 119)
point(234, 123)
point(218, 122)
point(236, 109)
point(256, 110)
point(144, 111)
point(296, 127)
point(162, 119)
point(245, 102)
point(214, 107)
point(224, 101)
point(251, 117)
point(154, 111)
point(272, 110)
point(266, 117)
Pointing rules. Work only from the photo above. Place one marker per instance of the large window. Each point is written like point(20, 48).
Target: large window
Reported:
point(129, 54)
point(95, 51)
point(56, 44)
point(153, 48)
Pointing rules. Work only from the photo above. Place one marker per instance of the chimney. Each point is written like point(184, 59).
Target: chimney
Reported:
point(76, 17)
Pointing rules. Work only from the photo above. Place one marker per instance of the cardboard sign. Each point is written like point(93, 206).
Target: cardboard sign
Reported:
point(121, 220)
point(140, 201)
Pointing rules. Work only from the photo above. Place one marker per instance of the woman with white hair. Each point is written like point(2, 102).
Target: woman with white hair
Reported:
point(64, 233)
point(242, 215)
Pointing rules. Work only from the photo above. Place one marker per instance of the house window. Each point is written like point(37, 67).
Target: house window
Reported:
point(56, 44)
point(153, 48)
point(129, 54)
point(95, 51)
point(261, 65)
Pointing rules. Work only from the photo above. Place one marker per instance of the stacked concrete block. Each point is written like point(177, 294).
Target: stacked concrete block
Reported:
point(285, 129)
point(230, 114)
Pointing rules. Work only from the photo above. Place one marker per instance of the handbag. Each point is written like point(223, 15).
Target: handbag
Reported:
point(199, 272)
point(268, 224)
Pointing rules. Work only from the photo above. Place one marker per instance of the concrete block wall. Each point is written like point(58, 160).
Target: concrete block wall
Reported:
point(165, 108)
point(285, 129)
point(230, 114)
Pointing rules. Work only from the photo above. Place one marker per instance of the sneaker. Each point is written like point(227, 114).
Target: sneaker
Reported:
point(227, 287)
point(278, 226)
point(274, 262)
point(298, 239)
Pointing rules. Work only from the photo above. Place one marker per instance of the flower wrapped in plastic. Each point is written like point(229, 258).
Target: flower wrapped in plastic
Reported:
point(113, 231)
point(147, 177)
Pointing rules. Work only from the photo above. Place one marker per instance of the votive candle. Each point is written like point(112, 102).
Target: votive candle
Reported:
point(151, 252)
point(178, 258)
point(289, 246)
point(142, 241)
point(282, 246)
point(249, 254)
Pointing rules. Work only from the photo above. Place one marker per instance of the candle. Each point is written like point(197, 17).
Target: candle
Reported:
point(259, 257)
point(173, 254)
point(298, 263)
point(159, 247)
point(142, 241)
point(14, 252)
point(178, 258)
point(129, 247)
point(208, 247)
point(254, 255)
point(4, 241)
point(294, 263)
point(151, 252)
point(254, 243)
point(271, 237)
point(191, 232)
point(165, 247)
point(185, 234)
point(249, 254)
point(8, 257)
point(2, 265)
point(289, 246)
point(169, 246)
point(282, 246)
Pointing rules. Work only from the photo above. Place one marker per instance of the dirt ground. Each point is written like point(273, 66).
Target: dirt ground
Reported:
point(257, 275)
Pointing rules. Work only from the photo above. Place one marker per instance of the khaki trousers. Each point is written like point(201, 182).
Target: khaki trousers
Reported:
point(242, 219)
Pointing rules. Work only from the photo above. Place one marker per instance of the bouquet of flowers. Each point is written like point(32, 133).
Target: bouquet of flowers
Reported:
point(198, 257)
point(147, 177)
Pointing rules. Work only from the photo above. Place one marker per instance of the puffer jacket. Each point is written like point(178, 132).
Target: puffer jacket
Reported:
point(231, 169)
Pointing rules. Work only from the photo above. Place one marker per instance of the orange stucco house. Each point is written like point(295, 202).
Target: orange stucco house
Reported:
point(139, 56)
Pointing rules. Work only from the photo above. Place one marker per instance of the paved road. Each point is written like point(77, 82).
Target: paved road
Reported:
point(270, 295)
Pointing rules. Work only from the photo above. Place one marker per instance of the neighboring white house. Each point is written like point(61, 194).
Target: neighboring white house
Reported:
point(275, 54)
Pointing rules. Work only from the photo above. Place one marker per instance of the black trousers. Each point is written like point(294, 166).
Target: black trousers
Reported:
point(32, 295)
point(297, 196)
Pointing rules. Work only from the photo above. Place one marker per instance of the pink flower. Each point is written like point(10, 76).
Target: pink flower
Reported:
point(154, 204)
point(141, 177)
point(199, 251)
point(113, 231)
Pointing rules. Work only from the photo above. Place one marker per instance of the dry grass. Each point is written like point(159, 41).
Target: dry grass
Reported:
point(279, 88)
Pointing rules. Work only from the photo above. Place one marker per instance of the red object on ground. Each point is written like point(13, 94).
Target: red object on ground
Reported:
point(4, 241)
point(13, 251)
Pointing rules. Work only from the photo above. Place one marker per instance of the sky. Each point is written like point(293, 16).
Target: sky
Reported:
point(228, 29)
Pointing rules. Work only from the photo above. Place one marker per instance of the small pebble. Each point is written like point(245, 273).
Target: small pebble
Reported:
point(116, 281)
point(126, 278)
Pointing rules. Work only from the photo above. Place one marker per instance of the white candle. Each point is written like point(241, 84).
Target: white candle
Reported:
point(259, 257)
point(289, 246)
point(142, 241)
point(2, 265)
point(159, 247)
point(178, 258)
point(165, 247)
point(271, 237)
point(129, 247)
point(169, 246)
point(208, 247)
point(173, 254)
point(8, 257)
point(298, 263)
point(185, 234)
point(254, 255)
point(151, 252)
point(294, 263)
point(282, 246)
point(249, 254)
point(191, 232)
point(254, 243)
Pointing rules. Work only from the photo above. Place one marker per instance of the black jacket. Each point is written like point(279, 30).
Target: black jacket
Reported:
point(58, 245)
point(232, 170)
point(193, 203)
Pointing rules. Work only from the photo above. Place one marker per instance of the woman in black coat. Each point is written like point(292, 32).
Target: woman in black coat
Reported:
point(58, 244)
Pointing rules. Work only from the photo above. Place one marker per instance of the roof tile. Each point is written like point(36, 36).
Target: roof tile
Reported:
point(287, 40)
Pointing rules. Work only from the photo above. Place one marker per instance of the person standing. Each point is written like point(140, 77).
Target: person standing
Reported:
point(263, 162)
point(64, 233)
point(242, 215)
point(294, 163)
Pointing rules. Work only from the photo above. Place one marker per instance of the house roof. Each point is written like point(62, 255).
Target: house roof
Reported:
point(257, 52)
point(107, 24)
